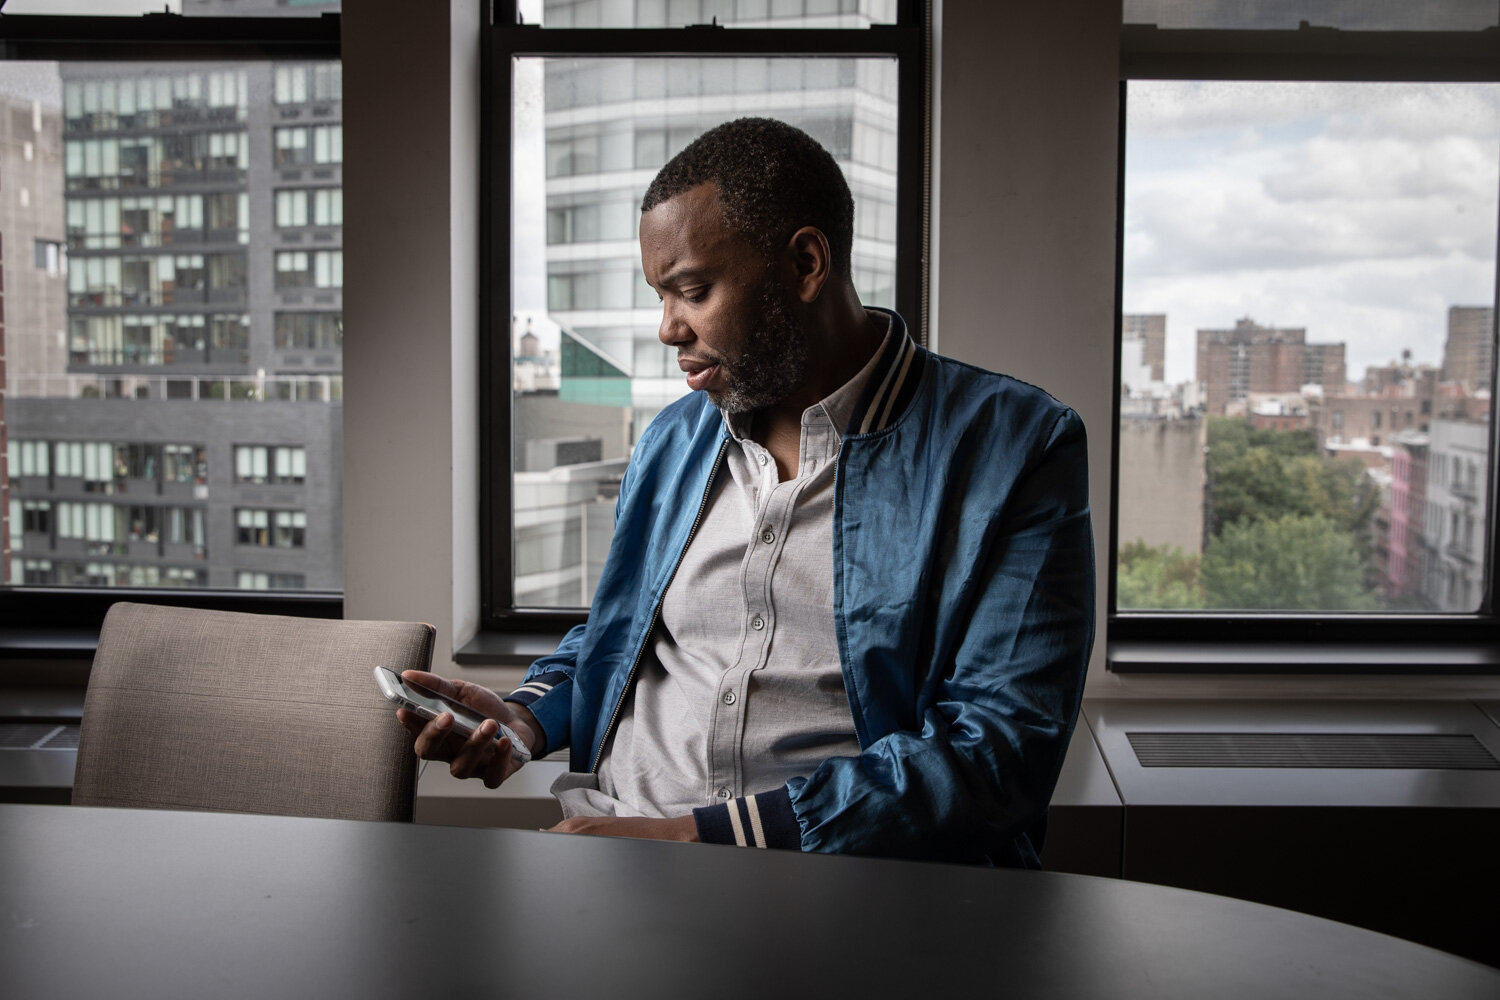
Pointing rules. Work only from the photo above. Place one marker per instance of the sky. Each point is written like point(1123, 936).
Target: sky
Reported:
point(1359, 211)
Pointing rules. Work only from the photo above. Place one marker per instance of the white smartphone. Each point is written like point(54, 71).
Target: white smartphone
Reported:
point(429, 704)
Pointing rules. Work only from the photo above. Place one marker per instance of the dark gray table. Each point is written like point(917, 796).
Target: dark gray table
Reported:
point(124, 903)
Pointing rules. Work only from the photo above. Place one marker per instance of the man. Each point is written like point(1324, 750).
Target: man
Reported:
point(849, 602)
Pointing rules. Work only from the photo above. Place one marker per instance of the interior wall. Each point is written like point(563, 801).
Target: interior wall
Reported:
point(1024, 199)
point(411, 238)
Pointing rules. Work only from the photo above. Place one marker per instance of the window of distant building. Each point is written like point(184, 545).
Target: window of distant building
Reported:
point(282, 529)
point(285, 465)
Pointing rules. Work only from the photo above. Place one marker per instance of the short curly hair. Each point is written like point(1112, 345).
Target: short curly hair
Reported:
point(773, 179)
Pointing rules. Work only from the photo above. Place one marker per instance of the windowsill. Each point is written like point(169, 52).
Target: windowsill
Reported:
point(507, 649)
point(48, 643)
point(1146, 656)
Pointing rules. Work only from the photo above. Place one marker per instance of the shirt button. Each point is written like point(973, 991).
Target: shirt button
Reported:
point(729, 698)
point(723, 793)
point(757, 623)
point(768, 536)
point(763, 459)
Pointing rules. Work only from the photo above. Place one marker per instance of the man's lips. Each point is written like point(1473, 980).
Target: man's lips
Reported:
point(699, 373)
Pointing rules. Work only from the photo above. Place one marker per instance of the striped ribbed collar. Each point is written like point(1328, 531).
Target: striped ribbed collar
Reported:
point(892, 382)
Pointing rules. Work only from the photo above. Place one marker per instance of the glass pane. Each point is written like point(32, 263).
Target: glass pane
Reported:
point(152, 351)
point(1286, 15)
point(589, 371)
point(1308, 346)
point(730, 13)
point(188, 8)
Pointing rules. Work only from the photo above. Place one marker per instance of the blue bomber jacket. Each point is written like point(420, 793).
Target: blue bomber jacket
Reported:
point(963, 609)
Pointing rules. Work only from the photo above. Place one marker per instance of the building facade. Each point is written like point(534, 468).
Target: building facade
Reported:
point(33, 268)
point(192, 434)
point(1405, 517)
point(1248, 358)
point(1469, 352)
point(1150, 331)
point(1454, 536)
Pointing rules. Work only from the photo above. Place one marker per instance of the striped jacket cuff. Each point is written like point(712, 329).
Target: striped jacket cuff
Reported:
point(553, 713)
point(765, 820)
point(536, 687)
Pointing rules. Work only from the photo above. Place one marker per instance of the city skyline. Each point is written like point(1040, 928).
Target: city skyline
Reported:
point(1359, 212)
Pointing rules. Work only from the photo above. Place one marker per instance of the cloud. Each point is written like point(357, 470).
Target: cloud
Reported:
point(1358, 211)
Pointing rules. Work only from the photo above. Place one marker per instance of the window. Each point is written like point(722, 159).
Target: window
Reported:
point(282, 529)
point(309, 331)
point(253, 580)
point(572, 326)
point(315, 206)
point(51, 257)
point(1271, 459)
point(155, 352)
point(291, 208)
point(321, 269)
point(270, 464)
point(302, 145)
point(252, 527)
point(291, 84)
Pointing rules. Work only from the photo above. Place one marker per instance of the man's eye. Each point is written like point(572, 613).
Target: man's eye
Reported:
point(695, 294)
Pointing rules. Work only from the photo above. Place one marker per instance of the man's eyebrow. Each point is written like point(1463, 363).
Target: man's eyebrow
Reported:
point(679, 275)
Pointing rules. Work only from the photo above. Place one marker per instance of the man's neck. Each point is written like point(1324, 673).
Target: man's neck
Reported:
point(852, 339)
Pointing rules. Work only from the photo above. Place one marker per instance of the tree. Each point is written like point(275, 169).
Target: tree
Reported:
point(1156, 578)
point(1302, 562)
point(1256, 473)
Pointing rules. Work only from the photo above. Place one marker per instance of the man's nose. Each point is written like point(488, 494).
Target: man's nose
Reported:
point(672, 330)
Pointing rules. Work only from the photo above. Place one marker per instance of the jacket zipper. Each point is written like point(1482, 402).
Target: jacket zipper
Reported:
point(640, 650)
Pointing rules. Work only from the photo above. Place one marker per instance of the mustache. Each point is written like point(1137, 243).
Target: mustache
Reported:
point(692, 362)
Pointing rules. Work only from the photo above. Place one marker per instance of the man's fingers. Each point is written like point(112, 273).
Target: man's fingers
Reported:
point(475, 752)
point(431, 737)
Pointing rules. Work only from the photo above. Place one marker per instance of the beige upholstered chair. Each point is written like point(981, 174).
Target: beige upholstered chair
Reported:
point(218, 710)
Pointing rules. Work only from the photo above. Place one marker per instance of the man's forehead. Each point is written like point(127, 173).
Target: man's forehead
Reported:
point(685, 233)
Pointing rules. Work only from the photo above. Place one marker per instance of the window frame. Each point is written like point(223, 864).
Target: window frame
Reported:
point(506, 38)
point(63, 622)
point(1291, 643)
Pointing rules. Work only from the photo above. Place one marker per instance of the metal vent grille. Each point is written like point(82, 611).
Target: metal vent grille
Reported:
point(38, 736)
point(1334, 750)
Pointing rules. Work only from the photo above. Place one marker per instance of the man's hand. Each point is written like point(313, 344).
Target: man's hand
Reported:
point(478, 756)
point(677, 828)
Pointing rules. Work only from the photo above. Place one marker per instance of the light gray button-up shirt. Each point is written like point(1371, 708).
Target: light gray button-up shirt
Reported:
point(741, 688)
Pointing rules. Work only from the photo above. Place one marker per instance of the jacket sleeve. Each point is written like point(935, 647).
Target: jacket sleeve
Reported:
point(995, 706)
point(547, 689)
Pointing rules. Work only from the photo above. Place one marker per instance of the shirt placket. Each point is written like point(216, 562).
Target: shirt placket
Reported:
point(775, 505)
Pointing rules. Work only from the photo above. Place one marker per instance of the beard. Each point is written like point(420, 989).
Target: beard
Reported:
point(773, 363)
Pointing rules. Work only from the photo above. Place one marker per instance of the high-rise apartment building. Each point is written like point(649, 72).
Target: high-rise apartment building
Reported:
point(1469, 353)
point(1250, 358)
point(191, 435)
point(1325, 367)
point(34, 260)
point(1150, 329)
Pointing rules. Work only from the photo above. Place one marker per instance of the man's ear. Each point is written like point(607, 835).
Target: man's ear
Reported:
point(810, 261)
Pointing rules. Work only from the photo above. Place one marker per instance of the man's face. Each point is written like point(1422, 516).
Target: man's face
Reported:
point(723, 308)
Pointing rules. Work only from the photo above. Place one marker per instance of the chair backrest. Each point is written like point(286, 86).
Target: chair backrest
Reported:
point(218, 710)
